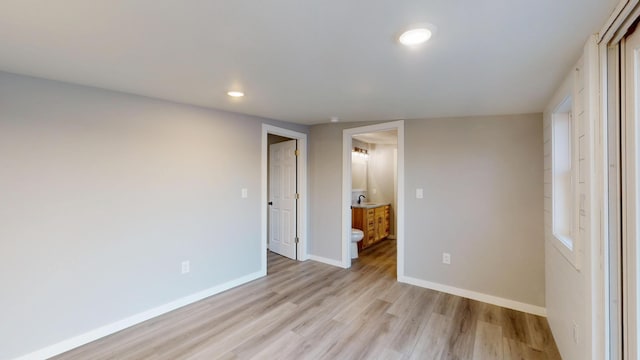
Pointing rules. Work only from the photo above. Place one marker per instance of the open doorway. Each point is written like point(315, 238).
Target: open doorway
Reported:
point(284, 191)
point(374, 180)
point(373, 175)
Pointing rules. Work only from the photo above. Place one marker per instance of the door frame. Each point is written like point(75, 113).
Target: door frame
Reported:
point(612, 204)
point(301, 214)
point(612, 104)
point(347, 135)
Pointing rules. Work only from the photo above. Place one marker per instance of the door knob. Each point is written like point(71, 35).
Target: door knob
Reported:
point(270, 203)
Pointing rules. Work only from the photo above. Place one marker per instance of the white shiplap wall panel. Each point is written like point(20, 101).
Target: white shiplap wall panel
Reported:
point(573, 311)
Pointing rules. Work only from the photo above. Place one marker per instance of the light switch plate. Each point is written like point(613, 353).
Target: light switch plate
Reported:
point(419, 193)
point(245, 193)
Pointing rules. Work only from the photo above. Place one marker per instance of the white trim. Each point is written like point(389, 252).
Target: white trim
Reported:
point(631, 201)
point(327, 261)
point(601, 181)
point(593, 126)
point(112, 328)
point(346, 189)
point(302, 190)
point(569, 246)
point(619, 22)
point(469, 294)
point(614, 33)
point(615, 21)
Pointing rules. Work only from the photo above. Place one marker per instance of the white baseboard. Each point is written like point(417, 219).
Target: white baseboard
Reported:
point(494, 300)
point(326, 261)
point(109, 329)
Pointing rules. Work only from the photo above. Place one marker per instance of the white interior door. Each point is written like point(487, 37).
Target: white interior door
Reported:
point(282, 198)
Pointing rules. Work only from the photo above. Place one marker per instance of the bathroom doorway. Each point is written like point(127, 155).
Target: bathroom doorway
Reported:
point(284, 216)
point(373, 174)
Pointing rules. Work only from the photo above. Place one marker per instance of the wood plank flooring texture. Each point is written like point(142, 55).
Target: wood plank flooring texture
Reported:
point(309, 310)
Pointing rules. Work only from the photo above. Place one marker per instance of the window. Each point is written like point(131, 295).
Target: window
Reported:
point(562, 183)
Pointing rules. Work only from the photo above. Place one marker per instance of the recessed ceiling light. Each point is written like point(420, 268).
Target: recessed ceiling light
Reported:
point(235, 94)
point(415, 36)
point(334, 119)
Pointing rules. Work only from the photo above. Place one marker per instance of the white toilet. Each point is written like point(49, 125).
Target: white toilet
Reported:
point(356, 235)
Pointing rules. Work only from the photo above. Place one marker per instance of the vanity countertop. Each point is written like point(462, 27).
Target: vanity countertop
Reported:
point(369, 205)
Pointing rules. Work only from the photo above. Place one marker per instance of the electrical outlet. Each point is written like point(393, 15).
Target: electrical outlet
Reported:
point(446, 258)
point(419, 193)
point(575, 333)
point(244, 193)
point(186, 266)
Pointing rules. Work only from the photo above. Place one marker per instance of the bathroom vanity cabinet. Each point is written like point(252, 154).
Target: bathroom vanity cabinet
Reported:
point(374, 221)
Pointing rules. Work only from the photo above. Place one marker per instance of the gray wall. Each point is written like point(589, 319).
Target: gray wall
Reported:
point(325, 189)
point(482, 181)
point(325, 184)
point(103, 194)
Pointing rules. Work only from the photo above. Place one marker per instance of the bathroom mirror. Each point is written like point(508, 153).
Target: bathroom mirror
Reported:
point(358, 172)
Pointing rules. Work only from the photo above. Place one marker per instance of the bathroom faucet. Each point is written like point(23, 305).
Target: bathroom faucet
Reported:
point(360, 199)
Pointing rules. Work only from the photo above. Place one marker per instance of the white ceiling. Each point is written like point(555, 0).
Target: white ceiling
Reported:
point(304, 61)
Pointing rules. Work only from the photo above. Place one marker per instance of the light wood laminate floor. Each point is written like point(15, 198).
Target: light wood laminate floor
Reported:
point(309, 310)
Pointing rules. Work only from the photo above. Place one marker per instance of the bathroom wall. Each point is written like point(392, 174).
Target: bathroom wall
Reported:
point(104, 194)
point(382, 177)
point(359, 169)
